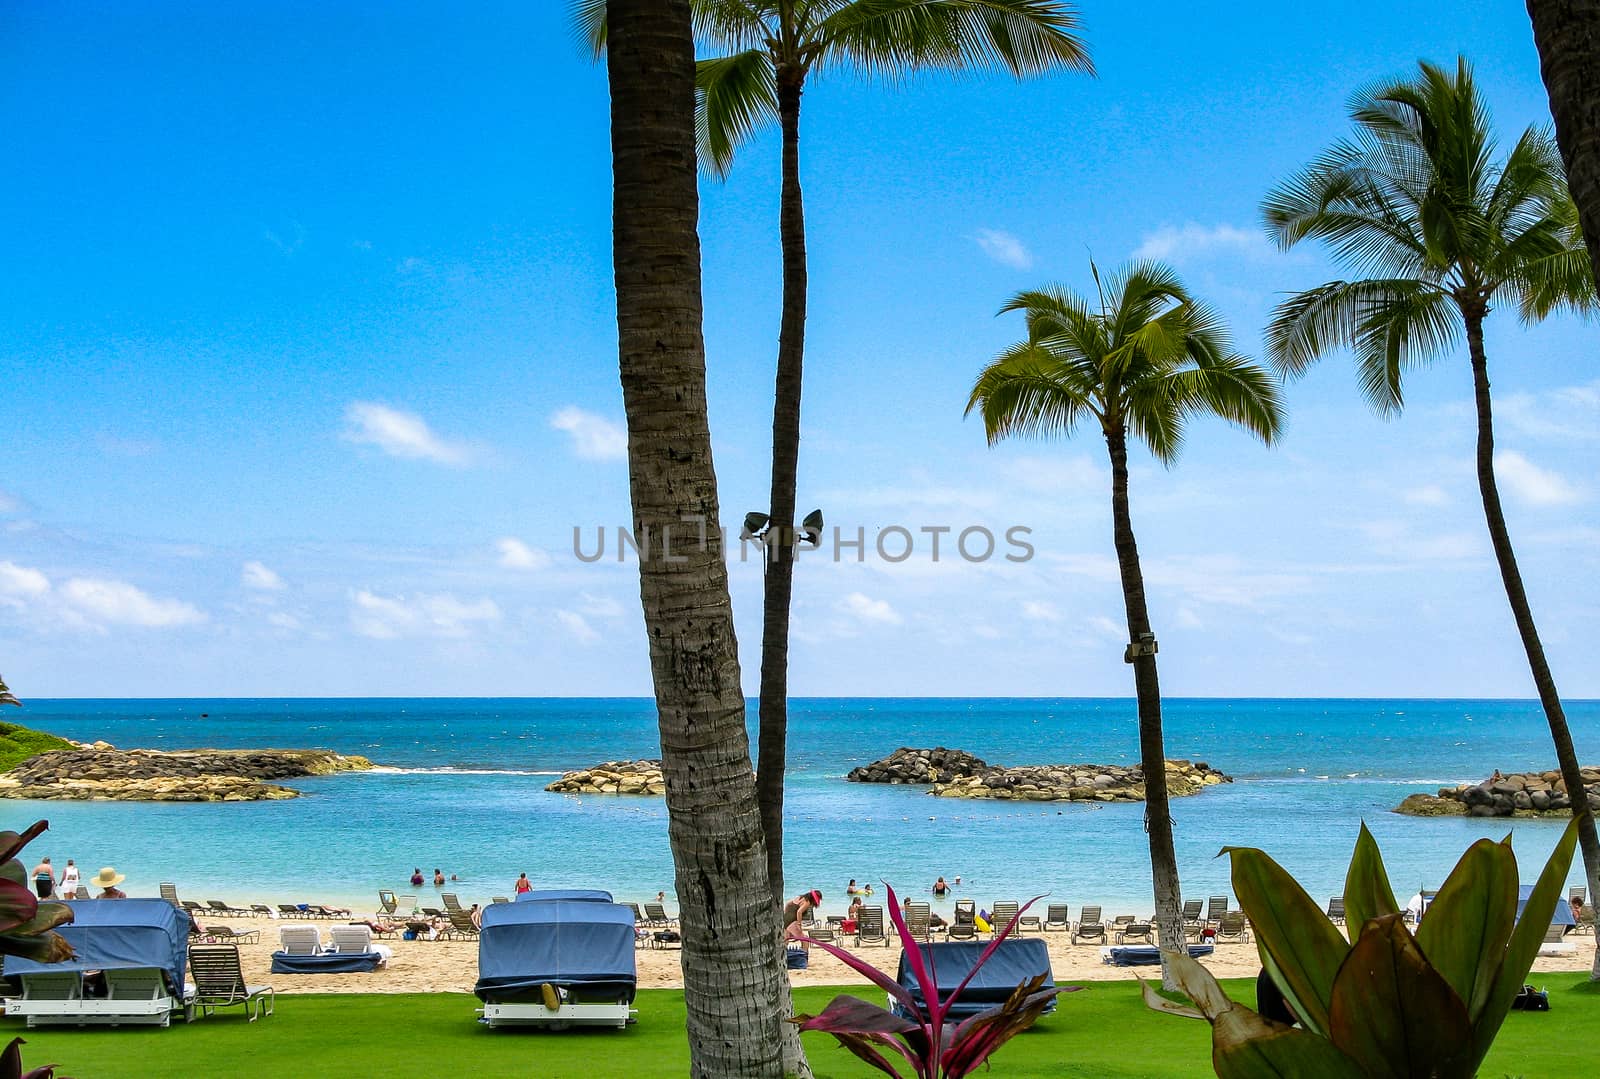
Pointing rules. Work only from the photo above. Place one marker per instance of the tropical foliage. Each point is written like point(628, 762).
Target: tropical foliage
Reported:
point(6, 696)
point(1417, 201)
point(27, 926)
point(1142, 357)
point(1388, 1001)
point(11, 1064)
point(932, 1047)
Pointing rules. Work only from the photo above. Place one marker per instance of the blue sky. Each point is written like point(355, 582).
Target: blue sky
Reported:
point(308, 348)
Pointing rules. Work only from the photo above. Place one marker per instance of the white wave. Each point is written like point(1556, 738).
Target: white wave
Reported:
point(388, 771)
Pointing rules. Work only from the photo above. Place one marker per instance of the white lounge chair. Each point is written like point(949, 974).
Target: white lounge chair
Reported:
point(300, 939)
point(357, 940)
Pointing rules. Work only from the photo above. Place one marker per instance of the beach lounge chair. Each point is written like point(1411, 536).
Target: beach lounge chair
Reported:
point(140, 946)
point(869, 927)
point(227, 910)
point(331, 913)
point(432, 912)
point(291, 910)
point(219, 982)
point(408, 904)
point(1192, 922)
point(1336, 909)
point(964, 923)
point(451, 901)
point(1216, 907)
point(226, 934)
point(656, 914)
point(1121, 922)
point(1232, 926)
point(918, 921)
point(169, 892)
point(300, 939)
point(503, 899)
point(1090, 927)
point(192, 907)
point(357, 940)
point(386, 902)
point(1000, 917)
point(81, 893)
point(575, 955)
point(638, 915)
point(261, 910)
point(1056, 919)
point(461, 927)
point(1136, 933)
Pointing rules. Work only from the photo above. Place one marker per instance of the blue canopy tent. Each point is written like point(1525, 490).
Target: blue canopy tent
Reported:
point(577, 895)
point(1562, 914)
point(1015, 961)
point(1146, 955)
point(141, 946)
point(582, 949)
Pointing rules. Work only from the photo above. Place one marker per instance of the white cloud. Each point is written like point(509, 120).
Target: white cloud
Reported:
point(1004, 248)
point(594, 437)
point(578, 626)
point(1106, 627)
point(121, 603)
point(1187, 619)
point(283, 620)
point(1431, 495)
point(1530, 483)
point(22, 581)
point(9, 503)
point(1568, 414)
point(514, 554)
point(400, 434)
point(258, 576)
point(1059, 475)
point(600, 606)
point(870, 610)
point(1198, 241)
point(386, 618)
point(1037, 610)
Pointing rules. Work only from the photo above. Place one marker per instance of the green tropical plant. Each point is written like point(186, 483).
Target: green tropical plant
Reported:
point(1387, 1002)
point(769, 50)
point(1568, 37)
point(1143, 358)
point(27, 926)
point(1417, 199)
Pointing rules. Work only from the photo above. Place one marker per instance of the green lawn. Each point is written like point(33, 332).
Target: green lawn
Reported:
point(1103, 1032)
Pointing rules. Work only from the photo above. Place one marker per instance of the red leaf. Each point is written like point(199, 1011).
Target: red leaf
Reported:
point(18, 905)
point(11, 842)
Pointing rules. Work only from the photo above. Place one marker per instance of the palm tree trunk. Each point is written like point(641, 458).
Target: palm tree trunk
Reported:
point(1568, 35)
point(772, 749)
point(730, 958)
point(1147, 687)
point(1566, 755)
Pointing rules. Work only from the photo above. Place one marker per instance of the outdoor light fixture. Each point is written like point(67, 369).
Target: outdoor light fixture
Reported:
point(811, 528)
point(1144, 646)
point(754, 525)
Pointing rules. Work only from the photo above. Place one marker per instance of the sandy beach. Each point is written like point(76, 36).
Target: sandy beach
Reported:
point(451, 966)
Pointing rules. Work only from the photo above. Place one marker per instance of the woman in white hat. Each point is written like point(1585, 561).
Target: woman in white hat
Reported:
point(108, 879)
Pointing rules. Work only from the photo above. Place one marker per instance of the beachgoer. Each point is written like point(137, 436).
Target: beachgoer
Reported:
point(661, 897)
point(44, 879)
point(69, 880)
point(438, 878)
point(107, 880)
point(852, 917)
point(958, 878)
point(851, 889)
point(940, 888)
point(523, 885)
point(476, 914)
point(795, 912)
point(416, 877)
point(934, 921)
point(867, 890)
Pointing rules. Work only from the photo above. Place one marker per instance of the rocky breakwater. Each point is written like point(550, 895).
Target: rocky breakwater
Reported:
point(1524, 794)
point(613, 777)
point(99, 772)
point(952, 773)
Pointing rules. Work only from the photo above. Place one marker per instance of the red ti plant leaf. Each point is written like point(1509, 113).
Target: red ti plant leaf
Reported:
point(18, 905)
point(11, 842)
point(860, 1026)
point(976, 1039)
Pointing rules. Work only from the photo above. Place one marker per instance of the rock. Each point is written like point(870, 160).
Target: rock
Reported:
point(100, 773)
point(1523, 794)
point(952, 773)
point(613, 777)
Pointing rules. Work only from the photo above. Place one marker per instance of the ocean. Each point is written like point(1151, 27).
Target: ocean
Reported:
point(461, 789)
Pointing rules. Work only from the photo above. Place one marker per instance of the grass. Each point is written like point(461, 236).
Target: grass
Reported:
point(1105, 1032)
point(18, 743)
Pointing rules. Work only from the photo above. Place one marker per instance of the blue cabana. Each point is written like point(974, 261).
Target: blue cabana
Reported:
point(1147, 955)
point(1016, 960)
point(1562, 915)
point(583, 947)
point(120, 934)
point(577, 895)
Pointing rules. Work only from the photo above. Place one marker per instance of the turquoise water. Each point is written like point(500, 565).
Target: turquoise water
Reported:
point(465, 793)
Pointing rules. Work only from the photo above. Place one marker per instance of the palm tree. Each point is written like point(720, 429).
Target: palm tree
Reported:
point(6, 696)
point(730, 952)
point(771, 49)
point(1568, 35)
point(1142, 358)
point(1417, 200)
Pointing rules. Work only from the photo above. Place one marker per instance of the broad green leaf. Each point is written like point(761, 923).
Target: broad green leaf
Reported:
point(1464, 935)
point(1283, 1053)
point(1524, 944)
point(48, 917)
point(13, 870)
point(1367, 893)
point(1158, 1003)
point(1393, 1014)
point(1298, 945)
point(44, 948)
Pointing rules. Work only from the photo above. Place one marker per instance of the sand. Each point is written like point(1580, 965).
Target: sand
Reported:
point(451, 966)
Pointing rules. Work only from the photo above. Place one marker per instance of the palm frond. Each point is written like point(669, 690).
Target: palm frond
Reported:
point(734, 96)
point(892, 37)
point(588, 19)
point(734, 25)
point(1024, 392)
point(1402, 324)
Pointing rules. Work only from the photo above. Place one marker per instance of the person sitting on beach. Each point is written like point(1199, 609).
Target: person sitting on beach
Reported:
point(796, 911)
point(107, 880)
point(852, 917)
point(476, 914)
point(416, 877)
point(523, 885)
point(940, 888)
point(934, 921)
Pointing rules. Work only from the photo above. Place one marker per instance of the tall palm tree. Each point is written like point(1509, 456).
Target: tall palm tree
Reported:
point(1417, 200)
point(730, 953)
point(772, 47)
point(1141, 358)
point(1568, 35)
